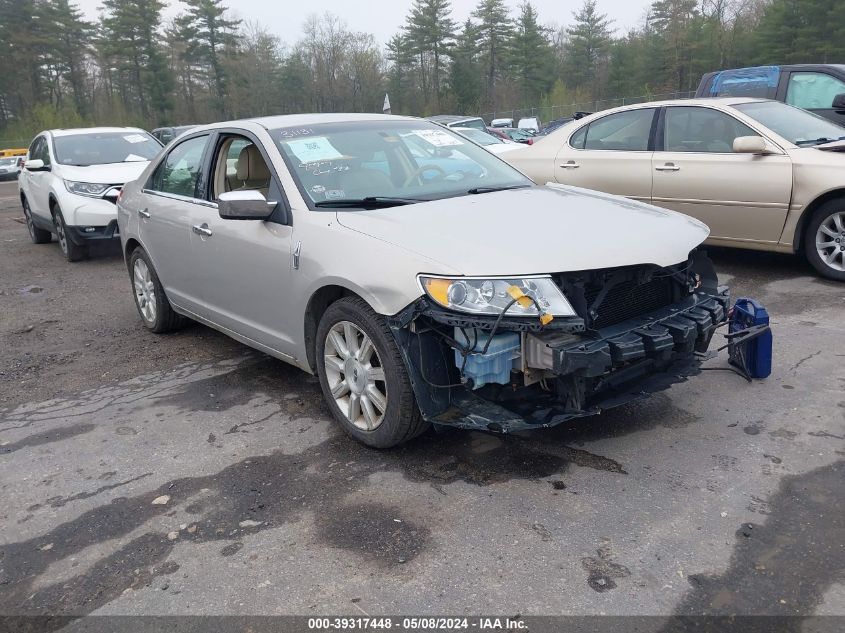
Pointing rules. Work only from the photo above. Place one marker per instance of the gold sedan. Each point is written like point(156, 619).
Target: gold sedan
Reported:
point(761, 174)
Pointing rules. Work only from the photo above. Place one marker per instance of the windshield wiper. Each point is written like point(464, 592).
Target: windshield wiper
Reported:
point(370, 202)
point(477, 190)
point(818, 141)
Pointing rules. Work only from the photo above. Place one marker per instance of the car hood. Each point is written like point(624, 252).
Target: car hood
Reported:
point(111, 174)
point(547, 229)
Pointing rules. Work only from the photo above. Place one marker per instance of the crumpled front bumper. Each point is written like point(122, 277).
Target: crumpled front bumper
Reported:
point(591, 371)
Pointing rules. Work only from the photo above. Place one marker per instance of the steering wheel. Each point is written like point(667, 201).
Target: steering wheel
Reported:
point(421, 170)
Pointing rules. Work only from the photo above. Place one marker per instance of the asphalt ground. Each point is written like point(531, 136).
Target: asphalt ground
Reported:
point(717, 496)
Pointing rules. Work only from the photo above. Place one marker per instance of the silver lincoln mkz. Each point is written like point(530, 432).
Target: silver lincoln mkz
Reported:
point(419, 276)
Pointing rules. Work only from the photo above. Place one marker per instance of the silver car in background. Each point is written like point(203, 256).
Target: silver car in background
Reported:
point(420, 277)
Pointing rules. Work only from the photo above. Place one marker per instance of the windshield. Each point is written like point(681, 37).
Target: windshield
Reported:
point(100, 148)
point(476, 123)
point(477, 136)
point(794, 124)
point(8, 162)
point(407, 160)
point(517, 134)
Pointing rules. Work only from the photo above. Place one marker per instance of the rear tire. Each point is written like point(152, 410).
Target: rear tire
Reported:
point(72, 252)
point(824, 240)
point(363, 376)
point(38, 236)
point(153, 306)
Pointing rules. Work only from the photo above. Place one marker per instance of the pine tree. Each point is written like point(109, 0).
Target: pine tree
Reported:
point(430, 33)
point(129, 40)
point(494, 32)
point(588, 46)
point(67, 49)
point(210, 38)
point(465, 76)
point(530, 58)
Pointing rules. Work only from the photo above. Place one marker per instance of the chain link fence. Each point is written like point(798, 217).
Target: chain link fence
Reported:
point(550, 113)
point(15, 143)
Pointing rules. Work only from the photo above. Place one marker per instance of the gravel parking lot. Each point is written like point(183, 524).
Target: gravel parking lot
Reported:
point(187, 474)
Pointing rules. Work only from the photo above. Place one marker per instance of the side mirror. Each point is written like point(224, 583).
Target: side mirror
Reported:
point(750, 145)
point(838, 102)
point(35, 164)
point(244, 205)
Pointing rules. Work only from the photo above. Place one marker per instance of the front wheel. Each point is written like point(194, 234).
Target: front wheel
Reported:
point(824, 241)
point(72, 252)
point(363, 377)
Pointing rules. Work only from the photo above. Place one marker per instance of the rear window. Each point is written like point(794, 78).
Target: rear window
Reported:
point(760, 81)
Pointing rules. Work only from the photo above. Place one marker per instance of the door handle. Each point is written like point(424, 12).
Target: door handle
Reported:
point(202, 229)
point(143, 213)
point(668, 167)
point(570, 164)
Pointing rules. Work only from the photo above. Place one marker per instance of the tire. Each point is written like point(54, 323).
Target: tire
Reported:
point(72, 252)
point(38, 236)
point(386, 413)
point(824, 240)
point(150, 300)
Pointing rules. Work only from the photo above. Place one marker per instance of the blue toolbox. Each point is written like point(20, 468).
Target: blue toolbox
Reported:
point(750, 339)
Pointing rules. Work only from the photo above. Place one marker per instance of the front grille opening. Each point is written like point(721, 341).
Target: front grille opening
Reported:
point(629, 299)
point(634, 291)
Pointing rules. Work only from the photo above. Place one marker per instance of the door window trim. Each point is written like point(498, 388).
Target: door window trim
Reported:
point(651, 134)
point(147, 189)
point(282, 213)
point(660, 139)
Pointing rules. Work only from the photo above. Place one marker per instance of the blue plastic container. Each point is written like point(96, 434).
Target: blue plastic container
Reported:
point(494, 366)
point(757, 352)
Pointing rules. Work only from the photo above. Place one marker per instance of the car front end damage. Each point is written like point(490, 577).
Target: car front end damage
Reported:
point(631, 331)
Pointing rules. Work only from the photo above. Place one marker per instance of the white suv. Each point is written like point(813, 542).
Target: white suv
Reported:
point(71, 180)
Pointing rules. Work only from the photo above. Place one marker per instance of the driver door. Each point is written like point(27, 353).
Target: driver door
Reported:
point(246, 263)
point(741, 197)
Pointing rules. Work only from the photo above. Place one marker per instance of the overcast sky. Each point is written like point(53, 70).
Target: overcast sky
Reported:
point(382, 18)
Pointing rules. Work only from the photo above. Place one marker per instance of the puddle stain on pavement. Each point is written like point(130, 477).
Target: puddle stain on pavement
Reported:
point(775, 567)
point(264, 491)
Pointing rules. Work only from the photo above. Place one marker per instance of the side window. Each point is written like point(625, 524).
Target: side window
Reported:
point(34, 148)
point(239, 166)
point(577, 140)
point(813, 91)
point(624, 131)
point(179, 171)
point(692, 129)
point(44, 150)
point(39, 150)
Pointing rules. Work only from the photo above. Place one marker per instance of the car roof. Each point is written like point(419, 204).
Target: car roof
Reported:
point(451, 118)
point(294, 120)
point(92, 130)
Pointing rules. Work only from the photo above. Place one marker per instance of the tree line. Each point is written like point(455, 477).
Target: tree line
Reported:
point(130, 67)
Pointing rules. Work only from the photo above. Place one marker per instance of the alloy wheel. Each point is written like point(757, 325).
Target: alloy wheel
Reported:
point(355, 375)
point(830, 241)
point(28, 215)
point(144, 290)
point(60, 232)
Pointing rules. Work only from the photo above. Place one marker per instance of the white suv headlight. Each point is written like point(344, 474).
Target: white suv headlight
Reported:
point(90, 189)
point(480, 295)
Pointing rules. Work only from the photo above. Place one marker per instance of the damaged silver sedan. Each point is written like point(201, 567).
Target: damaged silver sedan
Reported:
point(421, 278)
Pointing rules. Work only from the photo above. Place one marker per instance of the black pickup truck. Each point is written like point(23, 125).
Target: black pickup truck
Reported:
point(819, 88)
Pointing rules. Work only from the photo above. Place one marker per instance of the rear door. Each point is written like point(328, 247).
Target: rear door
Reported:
point(169, 211)
point(247, 263)
point(815, 91)
point(611, 154)
point(742, 197)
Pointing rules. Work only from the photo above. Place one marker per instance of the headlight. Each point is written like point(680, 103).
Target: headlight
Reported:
point(90, 189)
point(491, 296)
